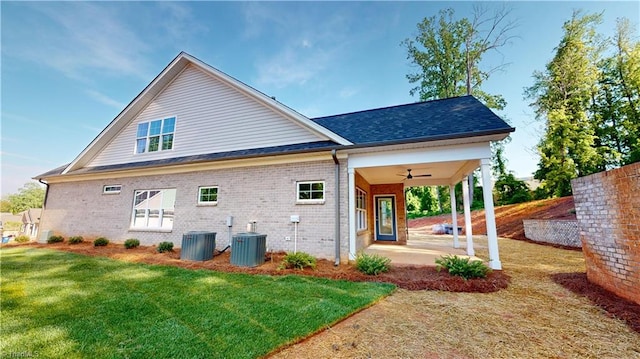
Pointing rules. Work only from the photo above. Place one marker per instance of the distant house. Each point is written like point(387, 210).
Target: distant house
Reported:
point(30, 220)
point(10, 224)
point(197, 147)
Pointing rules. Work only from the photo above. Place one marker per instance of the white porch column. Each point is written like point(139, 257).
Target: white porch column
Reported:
point(490, 216)
point(352, 212)
point(467, 217)
point(454, 216)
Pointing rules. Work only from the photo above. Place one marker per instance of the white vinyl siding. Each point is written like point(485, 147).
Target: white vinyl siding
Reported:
point(213, 117)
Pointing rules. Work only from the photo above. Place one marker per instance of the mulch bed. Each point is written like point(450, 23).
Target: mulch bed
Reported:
point(614, 305)
point(407, 277)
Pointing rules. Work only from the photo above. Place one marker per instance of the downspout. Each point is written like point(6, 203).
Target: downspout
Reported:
point(46, 193)
point(337, 209)
point(44, 205)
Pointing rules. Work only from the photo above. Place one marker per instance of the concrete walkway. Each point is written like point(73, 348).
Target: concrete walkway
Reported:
point(421, 249)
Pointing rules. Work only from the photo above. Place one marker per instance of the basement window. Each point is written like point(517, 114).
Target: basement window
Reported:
point(111, 189)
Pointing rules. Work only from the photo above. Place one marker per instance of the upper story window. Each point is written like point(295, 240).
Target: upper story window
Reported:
point(311, 192)
point(157, 135)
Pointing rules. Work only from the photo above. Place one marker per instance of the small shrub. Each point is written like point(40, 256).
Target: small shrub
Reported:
point(165, 247)
point(299, 260)
point(372, 264)
point(100, 242)
point(55, 239)
point(463, 267)
point(76, 239)
point(22, 239)
point(131, 243)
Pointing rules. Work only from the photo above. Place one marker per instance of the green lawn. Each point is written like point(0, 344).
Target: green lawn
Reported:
point(58, 304)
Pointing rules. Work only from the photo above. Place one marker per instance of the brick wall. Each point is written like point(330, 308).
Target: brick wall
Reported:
point(608, 212)
point(556, 231)
point(266, 194)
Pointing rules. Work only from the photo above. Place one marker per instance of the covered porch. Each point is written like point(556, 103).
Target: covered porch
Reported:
point(423, 249)
point(377, 221)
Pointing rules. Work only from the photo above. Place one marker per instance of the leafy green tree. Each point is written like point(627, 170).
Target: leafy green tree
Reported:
point(510, 190)
point(562, 96)
point(448, 54)
point(589, 98)
point(421, 199)
point(31, 195)
point(616, 104)
point(5, 206)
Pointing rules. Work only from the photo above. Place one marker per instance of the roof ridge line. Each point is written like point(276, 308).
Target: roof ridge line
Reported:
point(393, 106)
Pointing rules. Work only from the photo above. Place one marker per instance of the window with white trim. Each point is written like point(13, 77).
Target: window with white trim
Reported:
point(207, 195)
point(111, 189)
point(157, 135)
point(153, 209)
point(361, 209)
point(310, 192)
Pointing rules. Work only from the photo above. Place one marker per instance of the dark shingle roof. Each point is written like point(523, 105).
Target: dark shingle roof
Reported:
point(451, 118)
point(455, 117)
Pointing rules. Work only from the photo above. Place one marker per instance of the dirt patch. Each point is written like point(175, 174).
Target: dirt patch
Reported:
point(615, 306)
point(508, 218)
point(407, 277)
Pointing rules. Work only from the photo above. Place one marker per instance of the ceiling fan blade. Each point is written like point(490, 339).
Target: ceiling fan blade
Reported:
point(427, 175)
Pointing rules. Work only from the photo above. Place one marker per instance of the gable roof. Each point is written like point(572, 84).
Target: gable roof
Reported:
point(444, 119)
point(163, 80)
point(31, 215)
point(456, 117)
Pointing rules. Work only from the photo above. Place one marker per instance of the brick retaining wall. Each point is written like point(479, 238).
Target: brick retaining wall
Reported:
point(608, 211)
point(557, 231)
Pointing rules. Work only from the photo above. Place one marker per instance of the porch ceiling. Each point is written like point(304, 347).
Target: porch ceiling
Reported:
point(442, 173)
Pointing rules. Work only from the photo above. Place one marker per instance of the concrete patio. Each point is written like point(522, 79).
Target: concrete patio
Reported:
point(424, 249)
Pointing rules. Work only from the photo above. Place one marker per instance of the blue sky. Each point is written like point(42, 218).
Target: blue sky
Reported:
point(68, 68)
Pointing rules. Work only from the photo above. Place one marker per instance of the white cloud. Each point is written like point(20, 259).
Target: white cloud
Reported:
point(306, 43)
point(80, 39)
point(347, 92)
point(24, 157)
point(77, 38)
point(102, 98)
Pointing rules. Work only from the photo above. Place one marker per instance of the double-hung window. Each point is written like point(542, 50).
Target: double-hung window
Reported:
point(361, 209)
point(157, 135)
point(310, 192)
point(153, 209)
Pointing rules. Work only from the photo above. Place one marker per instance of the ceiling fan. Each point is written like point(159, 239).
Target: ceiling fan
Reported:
point(410, 176)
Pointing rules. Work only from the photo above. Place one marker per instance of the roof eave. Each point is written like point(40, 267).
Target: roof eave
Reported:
point(327, 149)
point(505, 132)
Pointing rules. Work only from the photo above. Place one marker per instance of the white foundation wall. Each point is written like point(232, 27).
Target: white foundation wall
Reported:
point(266, 194)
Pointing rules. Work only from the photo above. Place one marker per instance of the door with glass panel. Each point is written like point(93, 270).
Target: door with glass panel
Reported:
point(386, 229)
